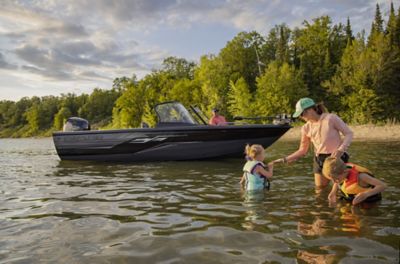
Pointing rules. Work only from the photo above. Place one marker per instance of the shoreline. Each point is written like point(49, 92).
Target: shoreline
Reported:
point(361, 133)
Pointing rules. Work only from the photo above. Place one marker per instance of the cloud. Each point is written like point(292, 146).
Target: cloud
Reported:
point(101, 39)
point(6, 65)
point(53, 74)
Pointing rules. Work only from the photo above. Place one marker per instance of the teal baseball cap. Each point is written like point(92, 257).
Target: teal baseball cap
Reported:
point(302, 105)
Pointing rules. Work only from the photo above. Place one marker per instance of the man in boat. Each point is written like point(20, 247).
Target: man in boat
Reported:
point(217, 119)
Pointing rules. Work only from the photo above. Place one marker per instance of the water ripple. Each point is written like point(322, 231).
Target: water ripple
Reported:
point(188, 212)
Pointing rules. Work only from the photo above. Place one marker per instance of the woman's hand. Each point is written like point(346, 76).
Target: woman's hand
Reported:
point(281, 160)
point(337, 154)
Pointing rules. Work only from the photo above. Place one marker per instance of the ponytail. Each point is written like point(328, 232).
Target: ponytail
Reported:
point(320, 108)
point(252, 151)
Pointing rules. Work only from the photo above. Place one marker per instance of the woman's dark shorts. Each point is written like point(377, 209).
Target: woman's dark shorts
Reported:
point(320, 159)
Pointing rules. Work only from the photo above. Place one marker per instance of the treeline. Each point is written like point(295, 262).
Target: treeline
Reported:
point(357, 76)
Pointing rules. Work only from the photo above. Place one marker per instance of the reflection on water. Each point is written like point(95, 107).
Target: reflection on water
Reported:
point(187, 212)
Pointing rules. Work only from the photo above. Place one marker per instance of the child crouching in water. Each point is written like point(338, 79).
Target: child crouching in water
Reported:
point(255, 176)
point(356, 183)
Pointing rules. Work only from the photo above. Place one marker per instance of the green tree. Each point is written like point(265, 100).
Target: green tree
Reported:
point(128, 109)
point(314, 53)
point(391, 26)
point(239, 57)
point(349, 32)
point(99, 105)
point(376, 26)
point(356, 81)
point(179, 68)
point(61, 117)
point(214, 82)
point(240, 99)
point(397, 30)
point(279, 89)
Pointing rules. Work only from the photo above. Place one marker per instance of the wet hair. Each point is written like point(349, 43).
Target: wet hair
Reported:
point(319, 108)
point(253, 150)
point(333, 167)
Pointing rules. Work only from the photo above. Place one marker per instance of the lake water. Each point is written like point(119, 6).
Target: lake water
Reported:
point(188, 212)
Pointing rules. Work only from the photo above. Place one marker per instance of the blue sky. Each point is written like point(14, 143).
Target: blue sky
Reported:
point(49, 47)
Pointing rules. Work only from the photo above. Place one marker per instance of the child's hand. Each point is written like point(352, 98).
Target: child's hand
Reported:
point(359, 198)
point(332, 198)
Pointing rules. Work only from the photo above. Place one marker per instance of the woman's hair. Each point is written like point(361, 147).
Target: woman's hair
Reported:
point(253, 150)
point(320, 108)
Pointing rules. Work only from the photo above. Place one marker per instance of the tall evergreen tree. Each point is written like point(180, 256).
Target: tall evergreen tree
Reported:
point(378, 22)
point(376, 26)
point(282, 50)
point(391, 25)
point(349, 32)
point(397, 30)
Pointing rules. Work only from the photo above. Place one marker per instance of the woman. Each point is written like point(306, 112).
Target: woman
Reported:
point(324, 131)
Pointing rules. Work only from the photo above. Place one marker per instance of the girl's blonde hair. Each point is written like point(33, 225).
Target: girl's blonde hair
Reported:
point(253, 150)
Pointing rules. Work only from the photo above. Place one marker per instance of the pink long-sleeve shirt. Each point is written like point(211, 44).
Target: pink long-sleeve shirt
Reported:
point(325, 134)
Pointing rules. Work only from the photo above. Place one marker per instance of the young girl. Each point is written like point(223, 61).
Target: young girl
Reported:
point(356, 183)
point(255, 176)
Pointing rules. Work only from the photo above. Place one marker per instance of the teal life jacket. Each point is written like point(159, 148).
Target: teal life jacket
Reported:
point(254, 181)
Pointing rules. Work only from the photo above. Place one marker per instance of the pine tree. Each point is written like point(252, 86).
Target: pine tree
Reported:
point(391, 25)
point(377, 25)
point(378, 20)
point(349, 32)
point(397, 30)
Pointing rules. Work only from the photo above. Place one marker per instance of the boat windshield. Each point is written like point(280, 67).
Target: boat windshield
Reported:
point(173, 112)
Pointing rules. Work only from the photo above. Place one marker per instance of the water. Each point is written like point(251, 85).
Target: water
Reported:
point(187, 212)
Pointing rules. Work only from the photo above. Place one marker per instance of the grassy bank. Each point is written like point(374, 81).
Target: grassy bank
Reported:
point(388, 132)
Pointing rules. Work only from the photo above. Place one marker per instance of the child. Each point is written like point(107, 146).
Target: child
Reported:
point(356, 183)
point(255, 176)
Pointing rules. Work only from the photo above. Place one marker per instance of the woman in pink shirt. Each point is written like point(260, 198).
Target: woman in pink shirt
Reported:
point(324, 131)
point(217, 119)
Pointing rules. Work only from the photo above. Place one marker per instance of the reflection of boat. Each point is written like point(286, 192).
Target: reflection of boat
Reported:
point(178, 135)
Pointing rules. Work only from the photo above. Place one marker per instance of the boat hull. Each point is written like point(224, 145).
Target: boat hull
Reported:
point(164, 144)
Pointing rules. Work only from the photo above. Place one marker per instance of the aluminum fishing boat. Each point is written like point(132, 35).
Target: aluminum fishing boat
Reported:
point(179, 135)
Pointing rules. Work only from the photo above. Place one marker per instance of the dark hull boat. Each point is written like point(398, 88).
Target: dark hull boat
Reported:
point(176, 137)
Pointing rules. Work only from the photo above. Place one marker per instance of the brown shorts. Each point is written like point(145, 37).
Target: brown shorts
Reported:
point(320, 159)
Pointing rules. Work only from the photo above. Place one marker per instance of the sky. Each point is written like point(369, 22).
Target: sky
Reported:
point(50, 47)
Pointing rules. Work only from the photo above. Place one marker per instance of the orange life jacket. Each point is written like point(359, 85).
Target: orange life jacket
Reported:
point(351, 187)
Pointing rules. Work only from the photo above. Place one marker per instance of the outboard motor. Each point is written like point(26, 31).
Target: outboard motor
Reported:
point(76, 124)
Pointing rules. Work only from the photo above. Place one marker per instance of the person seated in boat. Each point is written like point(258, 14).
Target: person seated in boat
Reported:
point(356, 183)
point(217, 119)
point(256, 175)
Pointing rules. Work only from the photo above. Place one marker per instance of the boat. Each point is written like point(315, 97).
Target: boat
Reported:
point(179, 135)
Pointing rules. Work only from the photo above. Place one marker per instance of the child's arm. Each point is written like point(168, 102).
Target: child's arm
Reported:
point(332, 194)
point(379, 186)
point(242, 180)
point(267, 173)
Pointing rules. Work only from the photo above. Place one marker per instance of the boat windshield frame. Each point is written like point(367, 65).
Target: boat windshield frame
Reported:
point(173, 112)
